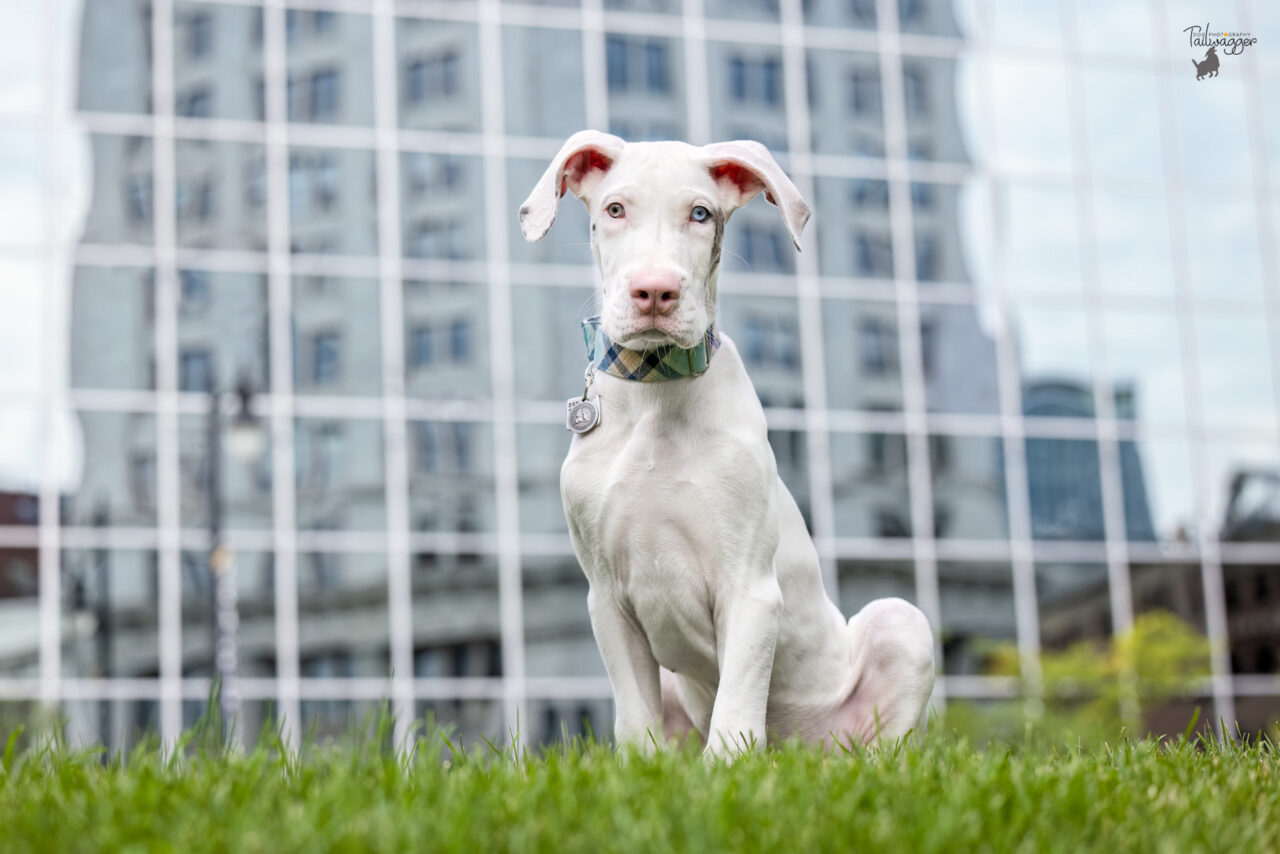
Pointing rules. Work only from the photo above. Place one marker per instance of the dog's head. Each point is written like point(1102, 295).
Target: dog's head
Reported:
point(658, 212)
point(1213, 51)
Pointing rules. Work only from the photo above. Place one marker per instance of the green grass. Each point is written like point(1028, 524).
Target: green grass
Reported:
point(941, 795)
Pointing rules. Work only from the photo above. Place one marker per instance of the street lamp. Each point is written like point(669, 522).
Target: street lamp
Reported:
point(244, 440)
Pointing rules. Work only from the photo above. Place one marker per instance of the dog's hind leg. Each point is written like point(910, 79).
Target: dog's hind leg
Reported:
point(893, 660)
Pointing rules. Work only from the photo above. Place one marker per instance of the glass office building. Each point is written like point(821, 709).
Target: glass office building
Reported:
point(1024, 373)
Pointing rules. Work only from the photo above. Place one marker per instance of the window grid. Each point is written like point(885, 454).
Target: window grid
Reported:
point(169, 538)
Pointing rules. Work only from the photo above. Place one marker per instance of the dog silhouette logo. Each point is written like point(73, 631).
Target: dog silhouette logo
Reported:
point(1209, 67)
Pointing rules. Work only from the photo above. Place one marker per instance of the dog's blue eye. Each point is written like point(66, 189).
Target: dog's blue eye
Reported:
point(699, 214)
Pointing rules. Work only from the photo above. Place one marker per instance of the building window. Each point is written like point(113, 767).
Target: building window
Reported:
point(874, 254)
point(195, 372)
point(460, 340)
point(927, 258)
point(864, 90)
point(255, 182)
point(755, 81)
point(915, 90)
point(194, 290)
point(762, 248)
point(462, 443)
point(863, 12)
point(326, 358)
point(324, 94)
point(421, 346)
point(433, 77)
point(199, 35)
point(424, 445)
point(877, 346)
point(196, 104)
point(323, 22)
point(615, 51)
point(656, 74)
point(928, 347)
point(138, 193)
point(635, 63)
point(865, 193)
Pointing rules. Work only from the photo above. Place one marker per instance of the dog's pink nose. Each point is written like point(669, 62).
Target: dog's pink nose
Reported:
point(655, 292)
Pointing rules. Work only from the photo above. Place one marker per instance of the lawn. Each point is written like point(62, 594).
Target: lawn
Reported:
point(943, 794)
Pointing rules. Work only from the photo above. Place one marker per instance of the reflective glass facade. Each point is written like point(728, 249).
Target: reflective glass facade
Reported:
point(1025, 372)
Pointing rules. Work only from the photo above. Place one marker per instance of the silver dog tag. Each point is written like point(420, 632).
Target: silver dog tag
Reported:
point(583, 414)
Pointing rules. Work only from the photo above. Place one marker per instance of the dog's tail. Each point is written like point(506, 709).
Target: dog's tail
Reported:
point(1195, 64)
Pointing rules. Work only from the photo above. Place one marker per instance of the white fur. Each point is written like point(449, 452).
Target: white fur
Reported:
point(706, 596)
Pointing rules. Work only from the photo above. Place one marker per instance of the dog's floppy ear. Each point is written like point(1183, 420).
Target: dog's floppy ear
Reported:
point(582, 160)
point(746, 167)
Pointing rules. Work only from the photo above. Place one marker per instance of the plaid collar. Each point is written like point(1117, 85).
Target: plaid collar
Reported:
point(665, 363)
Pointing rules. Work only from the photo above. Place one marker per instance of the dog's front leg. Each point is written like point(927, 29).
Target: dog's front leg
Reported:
point(746, 633)
point(633, 671)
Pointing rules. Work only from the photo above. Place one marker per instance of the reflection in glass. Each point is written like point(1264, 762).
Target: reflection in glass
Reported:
point(1172, 588)
point(439, 217)
point(1252, 595)
point(862, 355)
point(958, 357)
point(122, 205)
point(645, 80)
point(110, 609)
point(767, 333)
point(455, 615)
point(339, 474)
point(332, 202)
point(446, 339)
point(1053, 354)
point(1020, 88)
point(1212, 140)
point(1123, 121)
point(255, 631)
point(439, 75)
point(114, 61)
point(852, 217)
point(929, 92)
point(859, 14)
point(472, 724)
point(1159, 495)
point(861, 581)
point(1066, 489)
point(117, 725)
point(1237, 384)
point(19, 589)
point(941, 253)
point(1143, 364)
point(1032, 25)
point(564, 720)
point(342, 615)
point(1224, 260)
point(977, 615)
point(113, 328)
point(337, 350)
point(557, 627)
point(245, 484)
point(217, 62)
point(540, 450)
point(1038, 241)
point(968, 487)
point(549, 341)
point(1239, 494)
point(1131, 234)
point(747, 93)
point(845, 103)
point(869, 484)
point(451, 486)
point(24, 204)
point(330, 68)
point(118, 484)
point(790, 449)
point(551, 100)
point(222, 331)
point(1074, 604)
point(220, 195)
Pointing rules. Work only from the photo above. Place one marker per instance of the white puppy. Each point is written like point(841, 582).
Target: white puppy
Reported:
point(706, 596)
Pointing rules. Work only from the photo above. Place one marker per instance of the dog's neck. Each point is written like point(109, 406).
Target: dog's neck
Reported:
point(647, 366)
